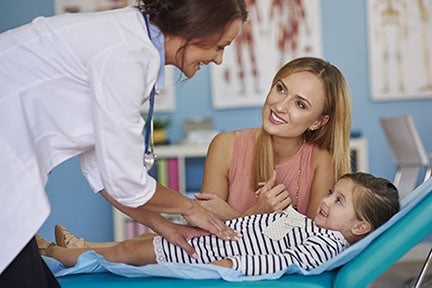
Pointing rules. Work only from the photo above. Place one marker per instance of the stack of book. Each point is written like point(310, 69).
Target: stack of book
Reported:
point(166, 172)
point(134, 229)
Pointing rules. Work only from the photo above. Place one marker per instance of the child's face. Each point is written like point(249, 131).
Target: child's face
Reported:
point(336, 211)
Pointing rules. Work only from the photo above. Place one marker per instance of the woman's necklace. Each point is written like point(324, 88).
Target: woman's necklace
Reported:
point(299, 172)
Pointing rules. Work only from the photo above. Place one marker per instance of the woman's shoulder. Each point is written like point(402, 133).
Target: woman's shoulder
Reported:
point(228, 138)
point(246, 134)
point(321, 156)
point(223, 138)
point(319, 151)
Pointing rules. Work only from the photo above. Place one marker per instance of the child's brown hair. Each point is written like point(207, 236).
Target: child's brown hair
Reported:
point(375, 199)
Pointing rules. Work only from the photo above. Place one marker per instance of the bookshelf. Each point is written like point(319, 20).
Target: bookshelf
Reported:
point(125, 227)
point(169, 157)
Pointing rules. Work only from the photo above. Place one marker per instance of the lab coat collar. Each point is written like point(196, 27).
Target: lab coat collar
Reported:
point(158, 40)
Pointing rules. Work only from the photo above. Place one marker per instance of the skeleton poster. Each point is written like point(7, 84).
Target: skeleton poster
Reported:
point(165, 100)
point(276, 32)
point(400, 49)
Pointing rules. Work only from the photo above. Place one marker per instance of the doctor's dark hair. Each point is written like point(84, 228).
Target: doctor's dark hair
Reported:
point(193, 19)
point(375, 199)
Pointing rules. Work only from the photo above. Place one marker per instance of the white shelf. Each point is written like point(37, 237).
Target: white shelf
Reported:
point(183, 151)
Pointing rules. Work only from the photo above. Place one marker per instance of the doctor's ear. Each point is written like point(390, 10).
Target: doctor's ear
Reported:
point(361, 227)
point(319, 123)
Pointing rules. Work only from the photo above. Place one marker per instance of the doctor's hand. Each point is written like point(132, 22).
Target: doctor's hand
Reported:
point(179, 234)
point(204, 219)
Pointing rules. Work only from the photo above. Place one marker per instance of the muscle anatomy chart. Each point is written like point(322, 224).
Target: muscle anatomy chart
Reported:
point(400, 44)
point(276, 32)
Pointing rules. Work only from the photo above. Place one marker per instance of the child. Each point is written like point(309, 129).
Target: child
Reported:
point(357, 204)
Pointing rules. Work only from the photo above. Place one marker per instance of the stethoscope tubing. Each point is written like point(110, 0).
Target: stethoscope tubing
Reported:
point(149, 156)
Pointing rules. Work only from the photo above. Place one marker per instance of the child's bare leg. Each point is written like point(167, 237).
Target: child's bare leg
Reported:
point(144, 236)
point(64, 238)
point(148, 235)
point(133, 252)
point(94, 245)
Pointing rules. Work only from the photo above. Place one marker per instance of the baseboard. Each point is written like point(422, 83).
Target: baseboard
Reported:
point(417, 253)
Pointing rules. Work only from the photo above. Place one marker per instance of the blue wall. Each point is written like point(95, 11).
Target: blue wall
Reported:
point(344, 31)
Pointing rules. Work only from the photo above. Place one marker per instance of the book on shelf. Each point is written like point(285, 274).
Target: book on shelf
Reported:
point(130, 229)
point(141, 229)
point(134, 229)
point(173, 177)
point(166, 172)
point(153, 171)
point(162, 172)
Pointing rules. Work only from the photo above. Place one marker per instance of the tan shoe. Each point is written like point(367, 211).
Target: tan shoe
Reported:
point(43, 245)
point(66, 239)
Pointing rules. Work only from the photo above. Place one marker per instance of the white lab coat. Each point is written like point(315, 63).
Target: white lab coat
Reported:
point(72, 85)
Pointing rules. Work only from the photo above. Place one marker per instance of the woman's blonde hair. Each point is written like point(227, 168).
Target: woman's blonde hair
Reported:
point(333, 136)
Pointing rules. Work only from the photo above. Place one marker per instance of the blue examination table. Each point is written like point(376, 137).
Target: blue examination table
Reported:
point(413, 223)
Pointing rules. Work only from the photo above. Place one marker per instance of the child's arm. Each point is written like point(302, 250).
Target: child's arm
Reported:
point(224, 262)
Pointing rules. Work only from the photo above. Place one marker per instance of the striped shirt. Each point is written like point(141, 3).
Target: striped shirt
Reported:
point(255, 253)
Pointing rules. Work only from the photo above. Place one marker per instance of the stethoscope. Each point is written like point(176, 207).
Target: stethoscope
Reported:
point(149, 156)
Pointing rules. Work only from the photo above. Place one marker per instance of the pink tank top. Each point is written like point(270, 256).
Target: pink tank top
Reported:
point(241, 195)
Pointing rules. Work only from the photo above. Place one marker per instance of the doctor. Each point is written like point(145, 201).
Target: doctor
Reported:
point(75, 84)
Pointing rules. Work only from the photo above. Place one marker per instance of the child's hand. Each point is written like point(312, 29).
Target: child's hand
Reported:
point(224, 263)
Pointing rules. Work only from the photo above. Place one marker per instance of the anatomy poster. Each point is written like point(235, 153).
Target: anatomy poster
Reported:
point(165, 101)
point(400, 49)
point(276, 32)
point(74, 6)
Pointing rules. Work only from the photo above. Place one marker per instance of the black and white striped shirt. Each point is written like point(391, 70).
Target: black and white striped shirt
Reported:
point(255, 253)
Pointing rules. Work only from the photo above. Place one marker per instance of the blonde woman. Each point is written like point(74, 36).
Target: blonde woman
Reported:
point(304, 138)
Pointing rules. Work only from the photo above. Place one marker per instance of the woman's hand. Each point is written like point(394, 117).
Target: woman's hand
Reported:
point(217, 205)
point(271, 198)
point(275, 199)
point(204, 219)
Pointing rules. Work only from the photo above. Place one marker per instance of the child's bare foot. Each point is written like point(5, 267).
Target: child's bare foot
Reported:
point(43, 246)
point(67, 240)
